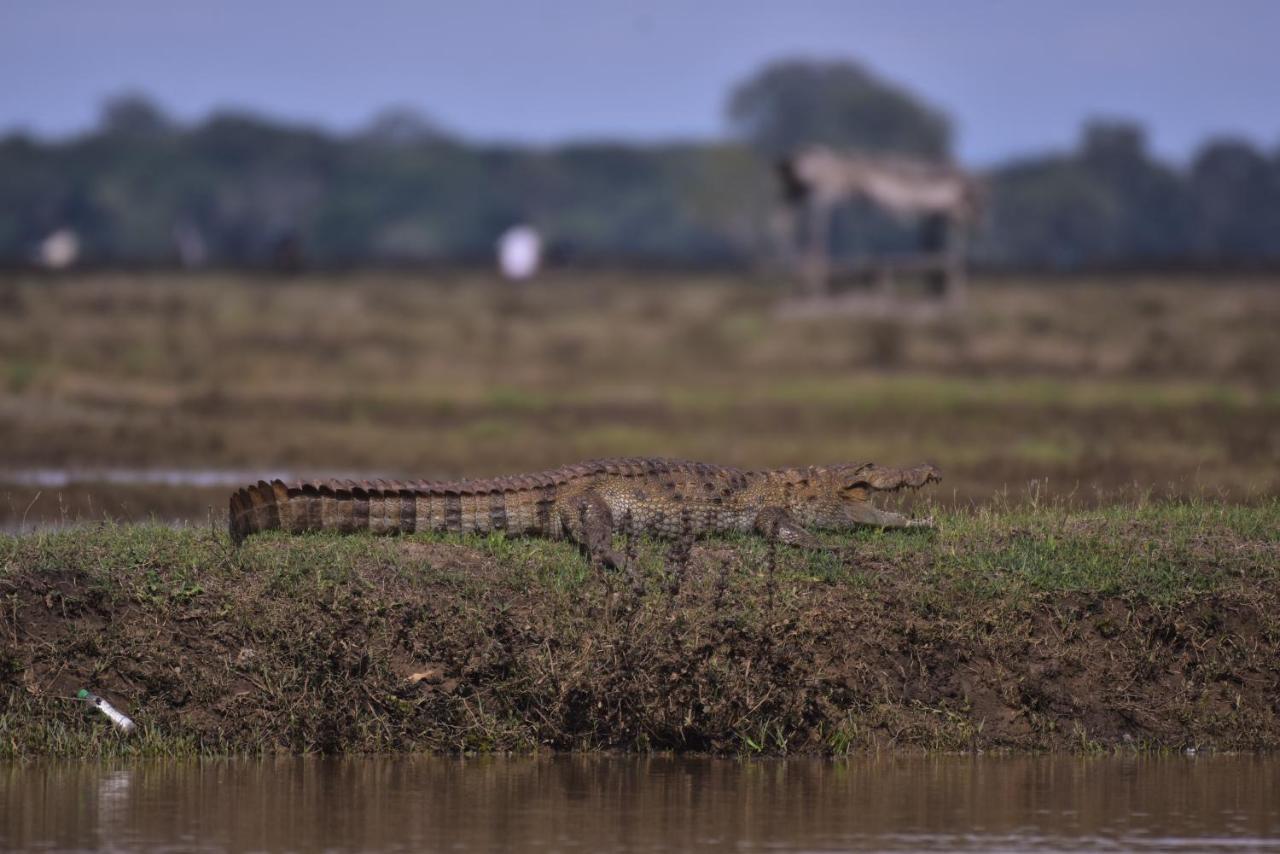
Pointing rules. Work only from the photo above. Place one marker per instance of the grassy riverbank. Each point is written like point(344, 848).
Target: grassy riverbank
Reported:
point(1150, 626)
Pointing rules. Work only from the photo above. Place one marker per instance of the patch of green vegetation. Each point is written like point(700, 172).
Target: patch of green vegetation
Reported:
point(510, 398)
point(943, 393)
point(315, 643)
point(20, 375)
point(27, 729)
point(1046, 449)
point(491, 428)
point(1155, 550)
point(742, 327)
point(617, 439)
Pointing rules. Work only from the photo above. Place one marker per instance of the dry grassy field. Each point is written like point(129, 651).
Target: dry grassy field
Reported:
point(1086, 389)
point(1061, 604)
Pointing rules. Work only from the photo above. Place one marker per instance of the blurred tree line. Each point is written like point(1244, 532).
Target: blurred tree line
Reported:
point(240, 189)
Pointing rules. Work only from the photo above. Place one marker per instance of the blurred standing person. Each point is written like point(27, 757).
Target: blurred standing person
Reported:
point(519, 256)
point(519, 252)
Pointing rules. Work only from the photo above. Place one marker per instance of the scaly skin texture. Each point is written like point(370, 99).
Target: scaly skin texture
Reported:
point(591, 501)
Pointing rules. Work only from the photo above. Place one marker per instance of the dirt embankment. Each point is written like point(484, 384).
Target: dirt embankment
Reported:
point(328, 645)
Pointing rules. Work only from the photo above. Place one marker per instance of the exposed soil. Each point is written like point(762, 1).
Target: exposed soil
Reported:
point(441, 646)
point(1078, 393)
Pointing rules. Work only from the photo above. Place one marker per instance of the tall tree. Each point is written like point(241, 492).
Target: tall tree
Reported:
point(134, 116)
point(1152, 198)
point(796, 102)
point(1236, 192)
point(404, 127)
point(1107, 203)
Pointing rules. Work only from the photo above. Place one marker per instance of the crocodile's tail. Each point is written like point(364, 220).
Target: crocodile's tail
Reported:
point(346, 507)
point(396, 507)
point(521, 504)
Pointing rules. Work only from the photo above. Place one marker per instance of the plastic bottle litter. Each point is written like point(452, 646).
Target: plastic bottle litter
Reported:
point(121, 720)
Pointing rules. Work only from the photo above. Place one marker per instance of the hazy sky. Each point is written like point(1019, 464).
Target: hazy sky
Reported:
point(1017, 76)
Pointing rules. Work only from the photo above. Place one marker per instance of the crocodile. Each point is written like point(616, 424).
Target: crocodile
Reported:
point(589, 502)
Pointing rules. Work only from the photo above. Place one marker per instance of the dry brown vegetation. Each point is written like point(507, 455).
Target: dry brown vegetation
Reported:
point(1144, 628)
point(1087, 388)
point(1104, 573)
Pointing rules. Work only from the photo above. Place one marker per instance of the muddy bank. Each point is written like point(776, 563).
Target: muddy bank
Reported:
point(1133, 628)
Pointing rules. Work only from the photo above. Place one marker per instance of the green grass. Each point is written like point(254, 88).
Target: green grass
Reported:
point(941, 394)
point(936, 640)
point(1156, 550)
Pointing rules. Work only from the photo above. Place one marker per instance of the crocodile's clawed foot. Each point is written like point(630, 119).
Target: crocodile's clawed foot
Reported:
point(608, 559)
point(777, 524)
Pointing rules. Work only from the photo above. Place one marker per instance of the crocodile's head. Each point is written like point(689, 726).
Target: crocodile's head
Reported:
point(840, 496)
point(860, 481)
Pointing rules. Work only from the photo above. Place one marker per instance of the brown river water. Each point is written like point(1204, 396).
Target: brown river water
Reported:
point(585, 803)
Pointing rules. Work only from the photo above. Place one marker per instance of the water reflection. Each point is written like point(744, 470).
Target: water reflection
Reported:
point(644, 804)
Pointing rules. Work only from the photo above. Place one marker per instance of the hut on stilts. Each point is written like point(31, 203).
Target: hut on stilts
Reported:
point(941, 199)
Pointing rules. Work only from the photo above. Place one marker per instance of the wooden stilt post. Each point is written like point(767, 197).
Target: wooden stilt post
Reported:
point(955, 248)
point(817, 272)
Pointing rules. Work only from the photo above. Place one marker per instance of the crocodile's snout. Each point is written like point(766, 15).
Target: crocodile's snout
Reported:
point(925, 474)
point(888, 479)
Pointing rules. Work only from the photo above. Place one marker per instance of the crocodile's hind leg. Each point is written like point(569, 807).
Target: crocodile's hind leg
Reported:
point(588, 521)
point(775, 523)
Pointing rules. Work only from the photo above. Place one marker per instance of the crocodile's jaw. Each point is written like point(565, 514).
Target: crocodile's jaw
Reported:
point(841, 497)
point(859, 507)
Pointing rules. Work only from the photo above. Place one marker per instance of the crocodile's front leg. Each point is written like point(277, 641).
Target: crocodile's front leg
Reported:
point(776, 523)
point(588, 521)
